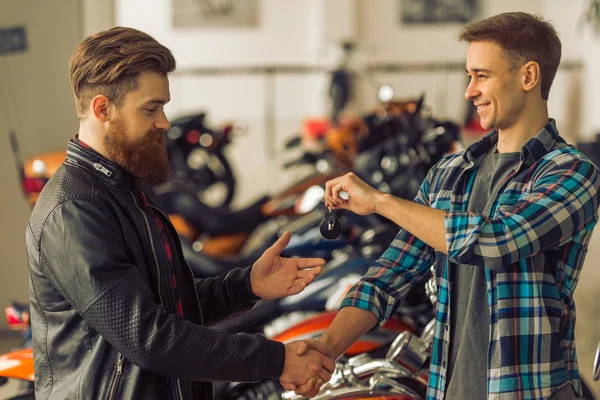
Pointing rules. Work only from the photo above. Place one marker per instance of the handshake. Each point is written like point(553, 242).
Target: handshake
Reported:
point(308, 365)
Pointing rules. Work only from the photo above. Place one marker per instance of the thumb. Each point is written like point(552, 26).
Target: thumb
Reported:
point(302, 347)
point(280, 244)
point(313, 344)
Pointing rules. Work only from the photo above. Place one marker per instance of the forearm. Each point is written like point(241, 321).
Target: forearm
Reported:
point(424, 222)
point(224, 295)
point(348, 326)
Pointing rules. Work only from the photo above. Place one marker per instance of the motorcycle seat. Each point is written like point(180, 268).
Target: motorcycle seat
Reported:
point(213, 221)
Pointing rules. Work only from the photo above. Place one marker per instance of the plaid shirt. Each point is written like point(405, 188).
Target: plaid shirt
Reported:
point(532, 246)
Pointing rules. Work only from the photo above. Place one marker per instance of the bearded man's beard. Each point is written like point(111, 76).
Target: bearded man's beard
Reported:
point(146, 158)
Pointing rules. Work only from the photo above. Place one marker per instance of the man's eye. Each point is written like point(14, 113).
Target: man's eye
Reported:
point(150, 110)
point(481, 76)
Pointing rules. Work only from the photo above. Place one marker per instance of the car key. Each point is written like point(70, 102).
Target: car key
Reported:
point(331, 227)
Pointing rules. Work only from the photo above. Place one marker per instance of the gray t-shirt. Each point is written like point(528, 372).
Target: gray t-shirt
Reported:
point(469, 310)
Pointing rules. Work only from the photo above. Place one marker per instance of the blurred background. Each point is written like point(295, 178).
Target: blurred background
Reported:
point(270, 92)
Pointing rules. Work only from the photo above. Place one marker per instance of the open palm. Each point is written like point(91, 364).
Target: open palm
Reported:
point(273, 276)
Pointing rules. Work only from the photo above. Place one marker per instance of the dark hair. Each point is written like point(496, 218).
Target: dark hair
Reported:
point(110, 63)
point(524, 37)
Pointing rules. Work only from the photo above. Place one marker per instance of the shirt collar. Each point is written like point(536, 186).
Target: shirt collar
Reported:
point(532, 151)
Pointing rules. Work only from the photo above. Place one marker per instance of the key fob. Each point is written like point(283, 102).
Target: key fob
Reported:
point(331, 227)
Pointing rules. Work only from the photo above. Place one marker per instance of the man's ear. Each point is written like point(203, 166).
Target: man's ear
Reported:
point(531, 75)
point(100, 108)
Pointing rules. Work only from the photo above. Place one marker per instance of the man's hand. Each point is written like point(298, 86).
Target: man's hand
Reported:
point(363, 198)
point(307, 371)
point(312, 387)
point(273, 276)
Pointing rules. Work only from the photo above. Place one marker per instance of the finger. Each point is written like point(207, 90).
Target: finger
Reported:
point(296, 288)
point(280, 244)
point(314, 391)
point(305, 263)
point(336, 193)
point(302, 347)
point(288, 385)
point(305, 276)
point(318, 385)
point(321, 348)
point(307, 387)
point(323, 374)
point(304, 390)
point(309, 272)
point(328, 185)
point(328, 363)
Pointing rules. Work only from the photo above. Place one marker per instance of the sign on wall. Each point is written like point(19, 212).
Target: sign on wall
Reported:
point(13, 40)
point(438, 11)
point(215, 13)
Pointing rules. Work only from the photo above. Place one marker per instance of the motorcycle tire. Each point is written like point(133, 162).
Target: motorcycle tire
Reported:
point(206, 178)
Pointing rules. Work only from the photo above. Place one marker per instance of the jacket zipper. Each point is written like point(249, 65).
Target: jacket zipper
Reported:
point(102, 169)
point(151, 243)
point(179, 392)
point(117, 378)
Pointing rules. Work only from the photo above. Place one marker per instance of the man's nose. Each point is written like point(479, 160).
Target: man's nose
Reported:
point(471, 92)
point(162, 123)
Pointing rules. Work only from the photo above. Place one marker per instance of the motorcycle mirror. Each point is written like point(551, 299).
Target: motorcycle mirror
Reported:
point(385, 94)
point(597, 364)
point(310, 199)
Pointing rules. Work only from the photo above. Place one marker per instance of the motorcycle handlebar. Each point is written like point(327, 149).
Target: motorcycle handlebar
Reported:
point(306, 158)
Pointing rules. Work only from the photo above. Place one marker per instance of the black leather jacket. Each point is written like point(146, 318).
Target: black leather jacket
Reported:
point(102, 304)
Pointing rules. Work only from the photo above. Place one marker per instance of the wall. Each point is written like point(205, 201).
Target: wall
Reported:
point(36, 101)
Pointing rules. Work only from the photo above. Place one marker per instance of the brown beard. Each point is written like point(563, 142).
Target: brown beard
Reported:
point(146, 158)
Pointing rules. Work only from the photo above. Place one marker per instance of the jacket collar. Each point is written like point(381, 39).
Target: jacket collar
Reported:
point(531, 152)
point(88, 158)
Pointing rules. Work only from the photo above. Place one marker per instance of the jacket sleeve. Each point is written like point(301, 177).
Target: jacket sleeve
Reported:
point(83, 254)
point(562, 205)
point(225, 295)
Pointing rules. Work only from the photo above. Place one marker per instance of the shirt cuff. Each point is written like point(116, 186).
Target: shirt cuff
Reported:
point(368, 297)
point(462, 233)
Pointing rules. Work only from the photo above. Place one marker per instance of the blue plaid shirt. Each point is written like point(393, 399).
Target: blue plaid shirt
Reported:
point(532, 246)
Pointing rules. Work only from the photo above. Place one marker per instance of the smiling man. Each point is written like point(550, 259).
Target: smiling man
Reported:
point(115, 310)
point(507, 224)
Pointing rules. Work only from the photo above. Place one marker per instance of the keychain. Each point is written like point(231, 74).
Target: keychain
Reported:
point(331, 227)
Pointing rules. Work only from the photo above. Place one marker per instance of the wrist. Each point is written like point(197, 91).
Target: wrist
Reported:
point(380, 200)
point(328, 342)
point(251, 284)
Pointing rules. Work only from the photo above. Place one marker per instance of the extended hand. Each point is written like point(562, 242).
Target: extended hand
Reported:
point(363, 198)
point(305, 368)
point(273, 276)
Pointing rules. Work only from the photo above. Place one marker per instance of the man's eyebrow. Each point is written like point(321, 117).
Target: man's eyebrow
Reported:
point(156, 101)
point(477, 70)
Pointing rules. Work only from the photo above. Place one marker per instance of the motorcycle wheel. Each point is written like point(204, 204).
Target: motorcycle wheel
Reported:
point(213, 179)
